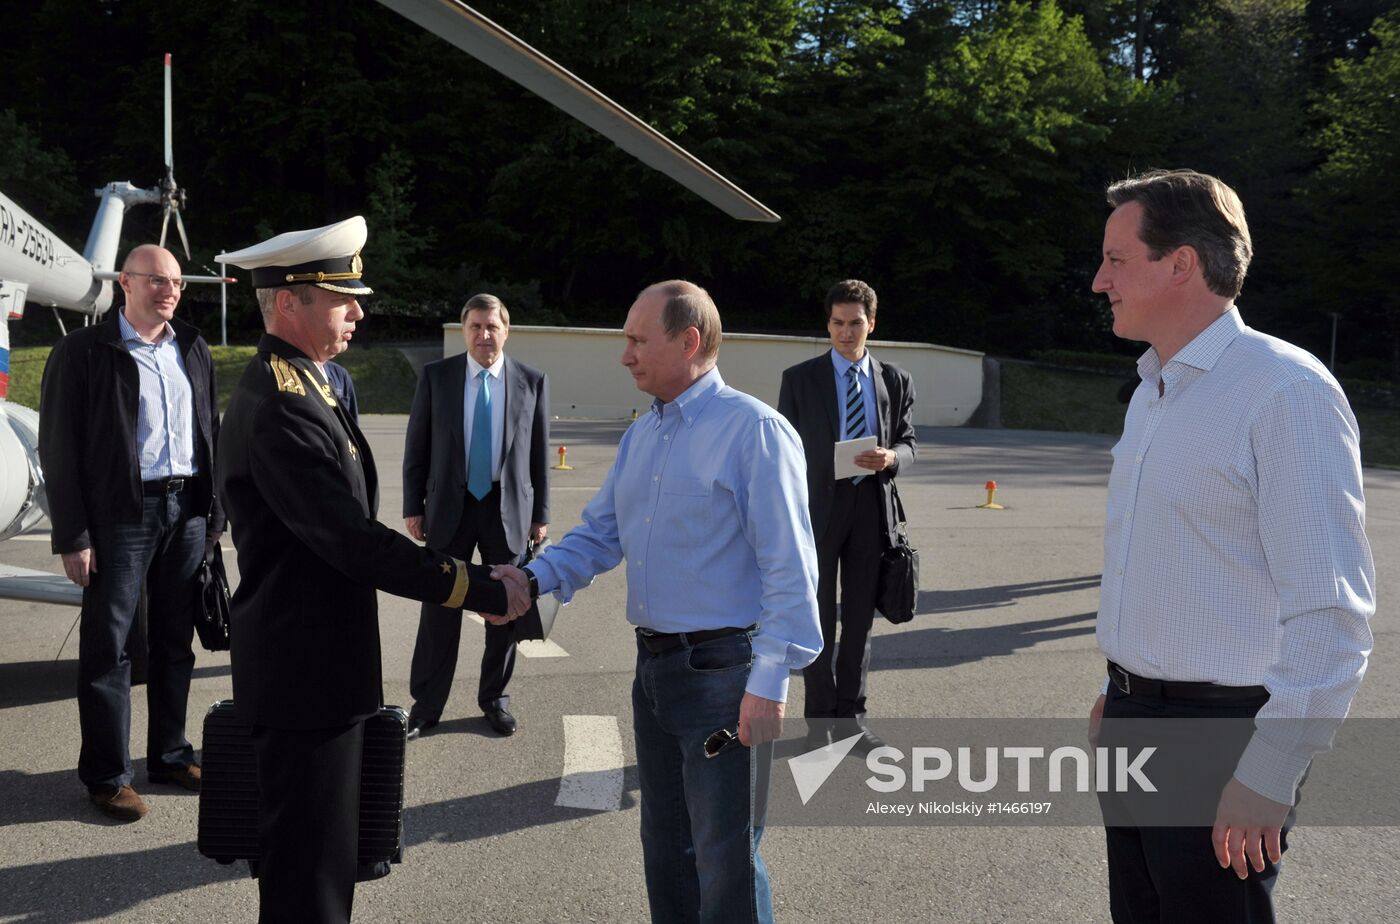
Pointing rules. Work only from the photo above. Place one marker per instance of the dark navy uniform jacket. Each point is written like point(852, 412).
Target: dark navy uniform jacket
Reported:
point(299, 486)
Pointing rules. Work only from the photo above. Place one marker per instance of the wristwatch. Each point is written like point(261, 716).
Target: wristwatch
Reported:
point(534, 582)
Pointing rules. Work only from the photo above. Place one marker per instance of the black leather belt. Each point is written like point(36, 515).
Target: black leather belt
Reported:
point(662, 642)
point(1199, 691)
point(165, 486)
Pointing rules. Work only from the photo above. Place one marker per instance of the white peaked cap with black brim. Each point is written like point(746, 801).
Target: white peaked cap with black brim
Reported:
point(328, 258)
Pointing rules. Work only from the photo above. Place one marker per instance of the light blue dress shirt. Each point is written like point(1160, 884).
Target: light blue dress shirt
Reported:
point(165, 411)
point(707, 502)
point(867, 389)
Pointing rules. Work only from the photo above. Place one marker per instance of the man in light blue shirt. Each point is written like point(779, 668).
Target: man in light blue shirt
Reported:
point(707, 503)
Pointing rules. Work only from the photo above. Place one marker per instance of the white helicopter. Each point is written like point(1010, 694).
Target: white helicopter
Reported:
point(37, 266)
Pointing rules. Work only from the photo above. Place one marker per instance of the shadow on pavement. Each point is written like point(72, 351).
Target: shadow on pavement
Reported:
point(939, 646)
point(500, 811)
point(978, 598)
point(92, 888)
point(28, 683)
point(37, 798)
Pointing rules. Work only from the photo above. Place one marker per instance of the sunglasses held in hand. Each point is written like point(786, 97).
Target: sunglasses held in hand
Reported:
point(721, 741)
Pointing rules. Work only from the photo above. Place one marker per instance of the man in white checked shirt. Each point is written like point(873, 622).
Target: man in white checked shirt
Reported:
point(1237, 577)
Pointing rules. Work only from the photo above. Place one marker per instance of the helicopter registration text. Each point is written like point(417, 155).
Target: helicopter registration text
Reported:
point(29, 239)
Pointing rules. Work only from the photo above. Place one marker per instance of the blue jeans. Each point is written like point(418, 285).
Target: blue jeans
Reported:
point(163, 551)
point(699, 843)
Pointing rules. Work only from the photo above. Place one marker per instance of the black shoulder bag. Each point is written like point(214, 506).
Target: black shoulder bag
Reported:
point(898, 584)
point(212, 619)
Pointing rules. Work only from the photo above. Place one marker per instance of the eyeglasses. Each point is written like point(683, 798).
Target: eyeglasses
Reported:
point(160, 282)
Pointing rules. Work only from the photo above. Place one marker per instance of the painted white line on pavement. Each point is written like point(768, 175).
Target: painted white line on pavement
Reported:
point(593, 759)
point(531, 649)
point(540, 648)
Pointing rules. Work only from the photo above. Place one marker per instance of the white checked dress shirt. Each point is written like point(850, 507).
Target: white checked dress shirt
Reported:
point(1235, 549)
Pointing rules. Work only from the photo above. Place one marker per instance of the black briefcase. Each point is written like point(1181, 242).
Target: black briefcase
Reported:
point(228, 795)
point(897, 593)
point(211, 620)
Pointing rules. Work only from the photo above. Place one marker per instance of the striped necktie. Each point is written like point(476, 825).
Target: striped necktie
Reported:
point(855, 411)
point(479, 455)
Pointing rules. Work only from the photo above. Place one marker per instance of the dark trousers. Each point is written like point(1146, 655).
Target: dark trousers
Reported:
point(163, 552)
point(308, 822)
point(440, 629)
point(1161, 874)
point(852, 545)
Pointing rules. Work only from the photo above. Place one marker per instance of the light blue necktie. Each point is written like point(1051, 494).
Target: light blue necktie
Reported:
point(479, 455)
point(855, 411)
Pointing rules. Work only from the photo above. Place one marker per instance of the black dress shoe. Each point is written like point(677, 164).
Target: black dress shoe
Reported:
point(417, 726)
point(503, 722)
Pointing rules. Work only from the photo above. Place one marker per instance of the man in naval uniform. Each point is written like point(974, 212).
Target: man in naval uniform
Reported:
point(302, 494)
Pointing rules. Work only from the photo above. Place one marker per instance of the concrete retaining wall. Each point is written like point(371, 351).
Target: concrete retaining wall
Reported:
point(587, 380)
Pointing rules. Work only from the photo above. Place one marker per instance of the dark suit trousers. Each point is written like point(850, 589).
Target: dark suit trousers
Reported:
point(851, 545)
point(308, 822)
point(440, 629)
point(1170, 874)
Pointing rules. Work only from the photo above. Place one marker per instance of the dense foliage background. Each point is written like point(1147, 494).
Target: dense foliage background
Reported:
point(952, 153)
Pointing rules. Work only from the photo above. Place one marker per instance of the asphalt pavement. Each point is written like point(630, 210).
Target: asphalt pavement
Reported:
point(494, 826)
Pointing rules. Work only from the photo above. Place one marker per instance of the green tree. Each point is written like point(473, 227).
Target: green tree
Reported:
point(1355, 194)
point(393, 253)
point(994, 165)
point(38, 177)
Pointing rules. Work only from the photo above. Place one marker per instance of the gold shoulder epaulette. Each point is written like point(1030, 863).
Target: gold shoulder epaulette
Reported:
point(287, 378)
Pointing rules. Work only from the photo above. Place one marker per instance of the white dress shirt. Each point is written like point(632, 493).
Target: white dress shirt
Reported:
point(498, 410)
point(1235, 549)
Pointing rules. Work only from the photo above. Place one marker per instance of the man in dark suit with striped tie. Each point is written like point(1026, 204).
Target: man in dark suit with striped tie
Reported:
point(847, 394)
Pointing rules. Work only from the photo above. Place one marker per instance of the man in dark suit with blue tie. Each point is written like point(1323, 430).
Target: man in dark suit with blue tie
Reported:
point(841, 395)
point(475, 477)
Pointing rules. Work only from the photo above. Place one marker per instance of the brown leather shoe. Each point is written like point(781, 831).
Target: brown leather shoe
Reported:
point(188, 776)
point(121, 803)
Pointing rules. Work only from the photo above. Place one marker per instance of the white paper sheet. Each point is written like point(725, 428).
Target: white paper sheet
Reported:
point(846, 452)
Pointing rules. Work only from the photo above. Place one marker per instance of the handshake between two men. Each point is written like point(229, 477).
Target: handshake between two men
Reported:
point(519, 594)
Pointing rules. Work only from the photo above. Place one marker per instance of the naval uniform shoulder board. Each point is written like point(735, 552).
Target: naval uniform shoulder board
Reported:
point(323, 390)
point(287, 377)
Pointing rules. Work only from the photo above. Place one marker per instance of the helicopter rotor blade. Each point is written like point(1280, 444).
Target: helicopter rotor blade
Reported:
point(169, 143)
point(494, 46)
